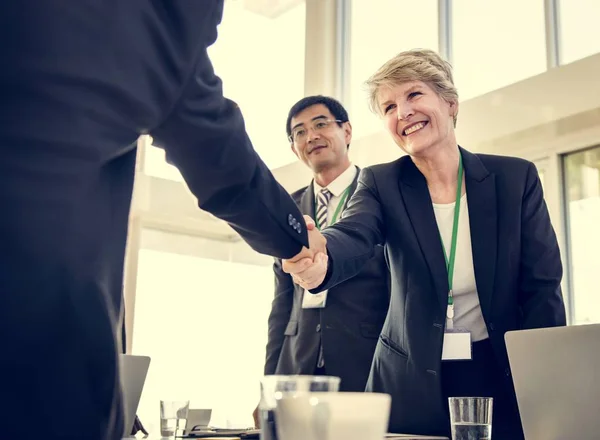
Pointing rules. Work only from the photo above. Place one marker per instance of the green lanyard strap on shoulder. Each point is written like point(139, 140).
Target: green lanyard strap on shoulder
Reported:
point(450, 261)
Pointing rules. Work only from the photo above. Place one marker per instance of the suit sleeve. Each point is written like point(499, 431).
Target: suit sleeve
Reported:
point(351, 241)
point(281, 310)
point(541, 271)
point(204, 136)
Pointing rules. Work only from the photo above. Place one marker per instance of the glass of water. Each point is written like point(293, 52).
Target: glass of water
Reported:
point(173, 417)
point(274, 387)
point(471, 417)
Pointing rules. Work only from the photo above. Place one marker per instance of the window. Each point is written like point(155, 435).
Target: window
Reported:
point(259, 55)
point(496, 43)
point(582, 194)
point(379, 29)
point(201, 314)
point(577, 21)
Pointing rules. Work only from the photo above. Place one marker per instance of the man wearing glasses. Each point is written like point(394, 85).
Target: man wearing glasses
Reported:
point(334, 332)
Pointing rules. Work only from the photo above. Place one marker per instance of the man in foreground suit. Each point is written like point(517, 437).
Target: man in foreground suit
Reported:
point(79, 84)
point(334, 333)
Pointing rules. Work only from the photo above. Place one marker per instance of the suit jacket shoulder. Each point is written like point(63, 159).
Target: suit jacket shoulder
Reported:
point(514, 176)
point(501, 164)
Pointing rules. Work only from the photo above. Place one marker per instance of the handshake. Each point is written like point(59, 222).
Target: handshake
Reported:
point(309, 267)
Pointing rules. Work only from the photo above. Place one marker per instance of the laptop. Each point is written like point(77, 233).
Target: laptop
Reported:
point(133, 375)
point(556, 372)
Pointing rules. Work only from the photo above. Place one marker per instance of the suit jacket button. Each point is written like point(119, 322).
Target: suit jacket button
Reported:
point(299, 228)
point(318, 328)
point(291, 219)
point(492, 326)
point(507, 372)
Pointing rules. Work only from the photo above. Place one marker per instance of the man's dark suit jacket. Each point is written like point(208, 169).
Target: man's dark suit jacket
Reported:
point(80, 81)
point(515, 255)
point(349, 325)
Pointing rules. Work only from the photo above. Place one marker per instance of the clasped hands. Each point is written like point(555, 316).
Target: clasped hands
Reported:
point(309, 267)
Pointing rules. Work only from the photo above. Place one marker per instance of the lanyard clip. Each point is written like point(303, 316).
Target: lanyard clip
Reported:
point(450, 312)
point(450, 317)
point(450, 309)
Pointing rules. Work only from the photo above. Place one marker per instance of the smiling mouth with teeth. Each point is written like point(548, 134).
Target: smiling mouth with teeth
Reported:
point(414, 128)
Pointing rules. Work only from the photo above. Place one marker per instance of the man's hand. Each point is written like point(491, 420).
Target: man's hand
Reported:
point(309, 267)
point(316, 242)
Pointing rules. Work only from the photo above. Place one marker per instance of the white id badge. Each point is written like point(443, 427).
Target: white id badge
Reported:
point(314, 300)
point(457, 346)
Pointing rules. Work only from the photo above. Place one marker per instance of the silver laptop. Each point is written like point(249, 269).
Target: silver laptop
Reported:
point(556, 372)
point(133, 375)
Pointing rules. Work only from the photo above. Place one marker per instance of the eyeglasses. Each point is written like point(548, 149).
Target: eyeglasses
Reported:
point(300, 134)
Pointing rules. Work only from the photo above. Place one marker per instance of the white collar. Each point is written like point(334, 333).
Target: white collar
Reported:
point(341, 182)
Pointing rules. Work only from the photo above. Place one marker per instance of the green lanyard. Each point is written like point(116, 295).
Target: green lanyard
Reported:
point(450, 261)
point(337, 210)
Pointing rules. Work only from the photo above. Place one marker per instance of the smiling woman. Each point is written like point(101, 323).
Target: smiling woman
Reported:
point(417, 117)
point(460, 229)
point(415, 96)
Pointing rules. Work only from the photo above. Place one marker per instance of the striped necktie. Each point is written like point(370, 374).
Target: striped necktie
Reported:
point(323, 198)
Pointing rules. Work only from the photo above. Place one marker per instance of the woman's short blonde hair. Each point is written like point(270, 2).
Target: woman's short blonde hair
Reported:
point(414, 65)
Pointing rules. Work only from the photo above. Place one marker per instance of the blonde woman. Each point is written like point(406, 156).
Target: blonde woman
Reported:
point(470, 247)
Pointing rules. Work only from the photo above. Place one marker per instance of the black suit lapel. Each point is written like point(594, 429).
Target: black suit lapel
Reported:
point(307, 202)
point(483, 221)
point(417, 201)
